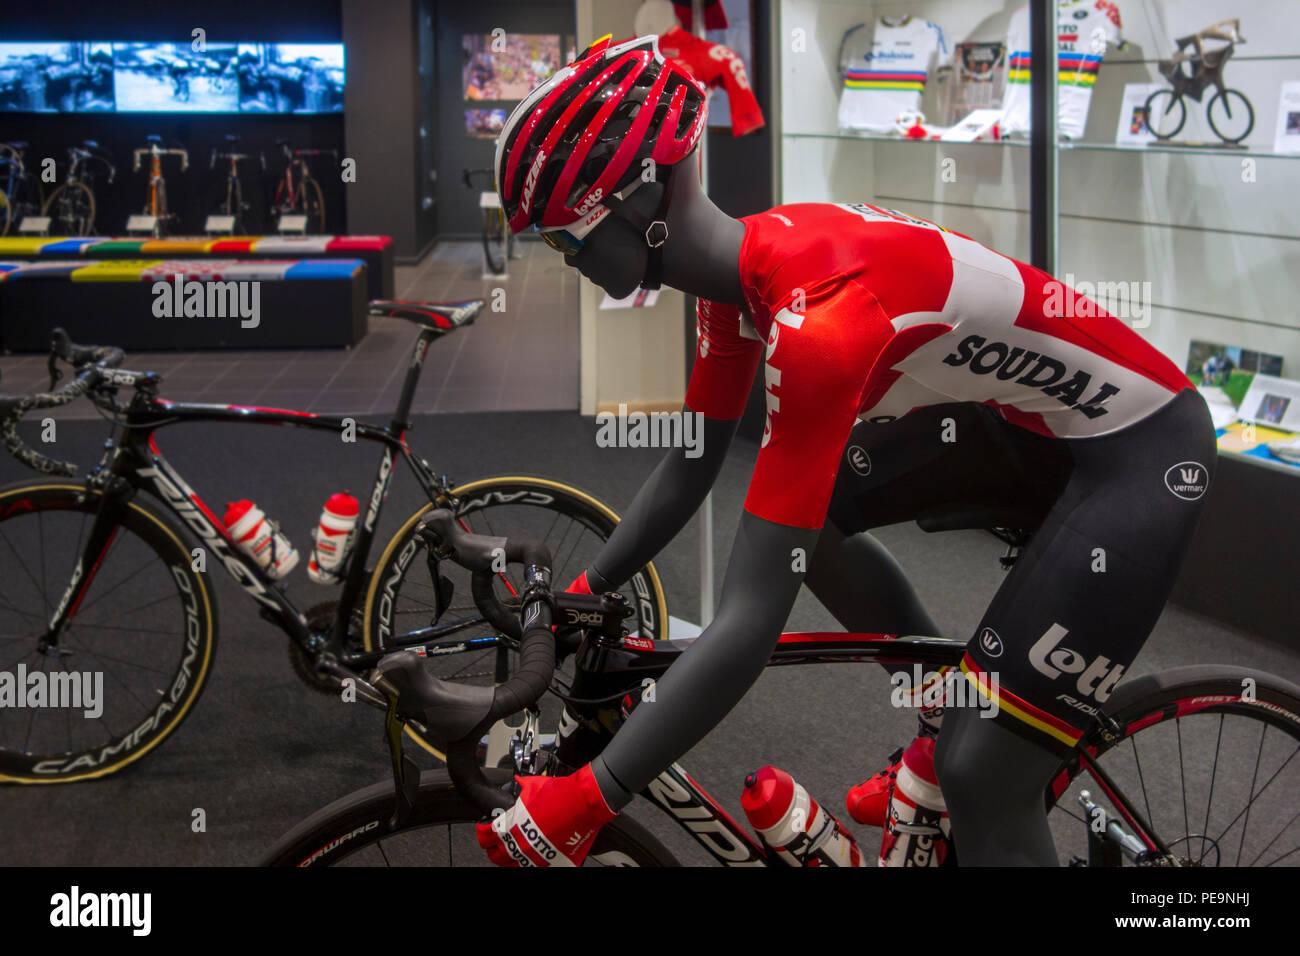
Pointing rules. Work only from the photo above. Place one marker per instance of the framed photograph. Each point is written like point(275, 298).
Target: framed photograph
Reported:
point(484, 124)
point(980, 78)
point(1287, 137)
point(1132, 129)
point(507, 66)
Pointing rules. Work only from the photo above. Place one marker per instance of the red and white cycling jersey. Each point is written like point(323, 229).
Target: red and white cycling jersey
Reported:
point(870, 313)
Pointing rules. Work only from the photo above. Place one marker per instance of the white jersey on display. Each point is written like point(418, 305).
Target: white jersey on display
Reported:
point(1085, 29)
point(883, 68)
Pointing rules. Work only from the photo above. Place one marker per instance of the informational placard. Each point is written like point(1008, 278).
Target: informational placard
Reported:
point(219, 225)
point(975, 125)
point(488, 199)
point(1287, 138)
point(1132, 129)
point(293, 224)
point(34, 225)
point(141, 223)
point(1272, 401)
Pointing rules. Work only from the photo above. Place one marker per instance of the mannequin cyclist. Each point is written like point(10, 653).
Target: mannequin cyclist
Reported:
point(909, 372)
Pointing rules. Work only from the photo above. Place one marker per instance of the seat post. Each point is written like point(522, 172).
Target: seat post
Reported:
point(402, 415)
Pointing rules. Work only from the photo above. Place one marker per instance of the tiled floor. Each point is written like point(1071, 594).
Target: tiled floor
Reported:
point(524, 357)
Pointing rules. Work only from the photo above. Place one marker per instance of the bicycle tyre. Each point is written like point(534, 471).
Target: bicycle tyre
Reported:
point(1148, 111)
point(313, 204)
point(1178, 694)
point(1223, 95)
point(6, 214)
point(131, 738)
point(383, 592)
point(72, 206)
point(361, 821)
point(494, 242)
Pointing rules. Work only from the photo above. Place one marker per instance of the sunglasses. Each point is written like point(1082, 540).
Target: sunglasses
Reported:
point(561, 240)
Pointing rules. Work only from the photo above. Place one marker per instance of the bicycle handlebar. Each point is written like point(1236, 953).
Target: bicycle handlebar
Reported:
point(455, 705)
point(90, 361)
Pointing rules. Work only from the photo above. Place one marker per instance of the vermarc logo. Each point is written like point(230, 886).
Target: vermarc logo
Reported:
point(990, 643)
point(859, 460)
point(1187, 480)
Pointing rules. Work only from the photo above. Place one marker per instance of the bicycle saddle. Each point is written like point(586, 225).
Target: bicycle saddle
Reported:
point(17, 144)
point(153, 138)
point(90, 143)
point(232, 137)
point(448, 711)
point(439, 316)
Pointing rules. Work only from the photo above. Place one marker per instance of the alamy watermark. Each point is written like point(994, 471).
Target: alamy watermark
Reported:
point(1074, 299)
point(211, 299)
point(951, 688)
point(72, 690)
point(651, 430)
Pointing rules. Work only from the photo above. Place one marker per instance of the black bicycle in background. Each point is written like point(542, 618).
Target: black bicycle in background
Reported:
point(21, 194)
point(72, 207)
point(1195, 766)
point(232, 202)
point(498, 240)
point(103, 574)
point(296, 192)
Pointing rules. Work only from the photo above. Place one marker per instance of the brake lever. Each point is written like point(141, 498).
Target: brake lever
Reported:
point(55, 372)
point(406, 774)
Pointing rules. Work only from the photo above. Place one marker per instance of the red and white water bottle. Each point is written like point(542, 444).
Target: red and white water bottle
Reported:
point(333, 538)
point(253, 532)
point(916, 827)
point(793, 825)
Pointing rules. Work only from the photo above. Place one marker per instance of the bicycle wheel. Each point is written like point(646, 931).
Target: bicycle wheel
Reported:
point(71, 208)
point(1210, 756)
point(313, 204)
point(1164, 114)
point(1234, 118)
point(357, 831)
point(495, 231)
point(6, 214)
point(400, 598)
point(145, 631)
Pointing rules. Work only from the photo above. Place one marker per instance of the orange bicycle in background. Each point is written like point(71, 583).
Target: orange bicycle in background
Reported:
point(156, 203)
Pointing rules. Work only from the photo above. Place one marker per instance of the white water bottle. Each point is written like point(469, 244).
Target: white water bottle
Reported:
point(254, 534)
point(916, 827)
point(333, 538)
point(793, 825)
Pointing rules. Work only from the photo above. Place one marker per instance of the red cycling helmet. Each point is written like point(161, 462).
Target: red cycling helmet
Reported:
point(585, 133)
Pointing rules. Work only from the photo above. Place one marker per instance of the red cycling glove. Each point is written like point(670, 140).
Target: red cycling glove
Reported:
point(553, 822)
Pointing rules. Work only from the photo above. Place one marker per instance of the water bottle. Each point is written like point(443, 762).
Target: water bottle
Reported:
point(333, 538)
point(254, 534)
point(916, 829)
point(793, 825)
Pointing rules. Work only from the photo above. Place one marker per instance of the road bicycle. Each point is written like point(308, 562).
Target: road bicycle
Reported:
point(72, 206)
point(233, 204)
point(498, 240)
point(297, 193)
point(101, 578)
point(1190, 73)
point(1194, 766)
point(20, 191)
point(156, 200)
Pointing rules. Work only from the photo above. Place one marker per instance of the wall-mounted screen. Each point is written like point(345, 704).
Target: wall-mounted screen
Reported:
point(56, 77)
point(485, 124)
point(506, 66)
point(171, 78)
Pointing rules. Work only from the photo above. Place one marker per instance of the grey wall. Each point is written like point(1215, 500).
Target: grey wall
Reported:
point(381, 124)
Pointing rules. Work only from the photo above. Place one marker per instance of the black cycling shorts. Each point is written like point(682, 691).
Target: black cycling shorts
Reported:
point(1112, 517)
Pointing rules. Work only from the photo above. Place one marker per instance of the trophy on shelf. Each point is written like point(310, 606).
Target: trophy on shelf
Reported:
point(1192, 70)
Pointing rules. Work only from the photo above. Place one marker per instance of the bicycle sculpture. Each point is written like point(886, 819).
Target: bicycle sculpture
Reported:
point(1191, 71)
point(297, 193)
point(498, 240)
point(156, 203)
point(72, 206)
point(233, 204)
point(20, 191)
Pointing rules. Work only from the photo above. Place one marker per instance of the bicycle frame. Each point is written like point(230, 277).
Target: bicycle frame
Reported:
point(137, 462)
